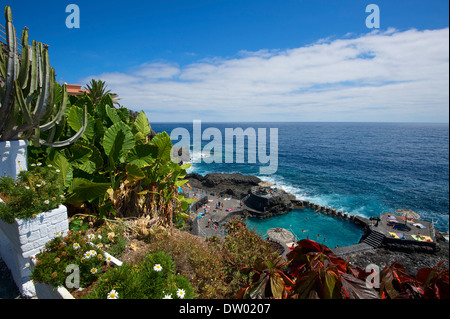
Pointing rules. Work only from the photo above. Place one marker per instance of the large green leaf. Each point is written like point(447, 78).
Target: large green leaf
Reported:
point(118, 141)
point(142, 124)
point(112, 114)
point(142, 154)
point(80, 153)
point(75, 121)
point(164, 143)
point(61, 163)
point(134, 172)
point(96, 155)
point(84, 190)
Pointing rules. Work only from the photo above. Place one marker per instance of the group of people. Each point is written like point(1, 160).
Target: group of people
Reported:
point(219, 205)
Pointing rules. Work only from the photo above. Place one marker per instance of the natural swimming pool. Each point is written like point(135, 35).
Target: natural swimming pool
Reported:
point(307, 224)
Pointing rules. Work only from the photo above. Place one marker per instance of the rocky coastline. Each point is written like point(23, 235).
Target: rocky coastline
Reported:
point(411, 258)
point(236, 185)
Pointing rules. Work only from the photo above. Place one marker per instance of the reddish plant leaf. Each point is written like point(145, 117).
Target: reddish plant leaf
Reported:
point(357, 289)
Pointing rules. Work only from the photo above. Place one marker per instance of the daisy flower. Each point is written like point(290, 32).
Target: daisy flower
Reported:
point(108, 259)
point(157, 268)
point(87, 254)
point(167, 297)
point(113, 295)
point(76, 246)
point(91, 236)
point(181, 293)
point(46, 202)
point(58, 171)
point(94, 271)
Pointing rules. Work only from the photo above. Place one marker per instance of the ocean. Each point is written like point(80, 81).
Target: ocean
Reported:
point(361, 168)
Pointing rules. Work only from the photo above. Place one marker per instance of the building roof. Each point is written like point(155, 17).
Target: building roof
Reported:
point(73, 89)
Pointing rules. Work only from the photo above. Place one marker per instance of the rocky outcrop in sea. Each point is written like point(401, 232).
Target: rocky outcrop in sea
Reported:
point(236, 185)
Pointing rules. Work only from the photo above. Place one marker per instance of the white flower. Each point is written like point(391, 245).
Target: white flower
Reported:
point(93, 253)
point(33, 165)
point(58, 171)
point(99, 245)
point(167, 297)
point(46, 202)
point(108, 259)
point(181, 293)
point(157, 268)
point(90, 236)
point(50, 165)
point(99, 236)
point(113, 295)
point(27, 187)
point(39, 164)
point(76, 246)
point(87, 254)
point(93, 271)
point(38, 185)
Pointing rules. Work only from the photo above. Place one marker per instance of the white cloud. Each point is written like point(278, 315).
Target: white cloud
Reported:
point(380, 76)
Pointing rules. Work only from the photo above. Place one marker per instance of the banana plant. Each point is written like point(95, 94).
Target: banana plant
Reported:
point(29, 94)
point(151, 169)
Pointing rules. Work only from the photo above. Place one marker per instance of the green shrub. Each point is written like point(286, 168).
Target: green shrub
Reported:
point(153, 278)
point(35, 191)
point(73, 249)
point(108, 235)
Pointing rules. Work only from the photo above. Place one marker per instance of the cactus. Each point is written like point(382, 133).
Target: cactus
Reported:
point(28, 92)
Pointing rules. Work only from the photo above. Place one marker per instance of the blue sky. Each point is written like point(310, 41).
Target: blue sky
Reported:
point(289, 60)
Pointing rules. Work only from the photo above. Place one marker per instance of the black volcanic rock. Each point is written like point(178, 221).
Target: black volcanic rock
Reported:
point(237, 185)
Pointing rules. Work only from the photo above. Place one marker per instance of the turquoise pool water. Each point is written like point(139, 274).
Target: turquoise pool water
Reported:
point(306, 223)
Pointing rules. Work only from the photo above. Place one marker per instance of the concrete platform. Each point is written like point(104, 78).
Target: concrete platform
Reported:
point(391, 224)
